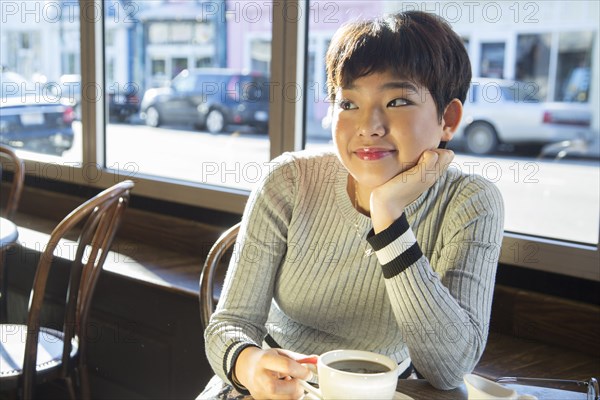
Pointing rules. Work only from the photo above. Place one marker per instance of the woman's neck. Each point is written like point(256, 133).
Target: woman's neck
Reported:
point(359, 196)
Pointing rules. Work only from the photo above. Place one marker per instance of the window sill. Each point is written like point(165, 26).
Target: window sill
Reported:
point(150, 264)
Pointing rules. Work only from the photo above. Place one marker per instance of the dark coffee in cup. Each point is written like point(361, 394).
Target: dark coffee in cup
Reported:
point(356, 374)
point(359, 366)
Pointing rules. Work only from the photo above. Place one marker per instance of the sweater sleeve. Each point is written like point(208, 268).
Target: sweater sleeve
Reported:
point(442, 304)
point(240, 317)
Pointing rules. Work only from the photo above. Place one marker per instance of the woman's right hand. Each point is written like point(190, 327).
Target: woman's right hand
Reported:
point(271, 374)
point(388, 200)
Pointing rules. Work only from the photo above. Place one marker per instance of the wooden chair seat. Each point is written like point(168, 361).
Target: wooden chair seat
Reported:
point(49, 352)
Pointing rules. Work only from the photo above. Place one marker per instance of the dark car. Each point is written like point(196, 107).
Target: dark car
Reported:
point(33, 118)
point(123, 103)
point(211, 99)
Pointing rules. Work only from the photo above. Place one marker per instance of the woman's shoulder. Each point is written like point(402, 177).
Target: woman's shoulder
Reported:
point(301, 168)
point(307, 157)
point(464, 189)
point(462, 181)
point(305, 162)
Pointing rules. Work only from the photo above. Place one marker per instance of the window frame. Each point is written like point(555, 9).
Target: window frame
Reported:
point(286, 133)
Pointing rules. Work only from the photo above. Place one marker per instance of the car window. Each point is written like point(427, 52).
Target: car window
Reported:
point(473, 94)
point(184, 83)
point(494, 91)
point(254, 88)
point(12, 84)
point(211, 84)
point(521, 92)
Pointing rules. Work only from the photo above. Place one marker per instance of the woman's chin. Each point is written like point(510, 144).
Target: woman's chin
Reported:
point(371, 181)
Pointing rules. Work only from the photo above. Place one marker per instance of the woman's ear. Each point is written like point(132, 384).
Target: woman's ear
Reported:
point(451, 119)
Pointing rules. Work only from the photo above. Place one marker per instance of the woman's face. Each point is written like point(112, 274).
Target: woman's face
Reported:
point(381, 125)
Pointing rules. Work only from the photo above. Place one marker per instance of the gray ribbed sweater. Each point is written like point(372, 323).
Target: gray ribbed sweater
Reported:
point(301, 272)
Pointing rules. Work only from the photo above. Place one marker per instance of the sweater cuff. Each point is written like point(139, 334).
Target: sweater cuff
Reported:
point(231, 356)
point(396, 247)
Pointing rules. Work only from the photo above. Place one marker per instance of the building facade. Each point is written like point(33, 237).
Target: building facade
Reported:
point(146, 43)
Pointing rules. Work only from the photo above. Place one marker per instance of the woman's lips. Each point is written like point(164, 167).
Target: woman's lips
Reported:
point(373, 153)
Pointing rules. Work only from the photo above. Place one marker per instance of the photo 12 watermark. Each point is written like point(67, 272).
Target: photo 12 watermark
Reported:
point(491, 12)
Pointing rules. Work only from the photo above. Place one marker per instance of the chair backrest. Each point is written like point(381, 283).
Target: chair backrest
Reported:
point(100, 216)
point(212, 263)
point(8, 157)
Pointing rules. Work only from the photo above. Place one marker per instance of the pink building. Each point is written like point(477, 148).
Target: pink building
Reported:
point(249, 40)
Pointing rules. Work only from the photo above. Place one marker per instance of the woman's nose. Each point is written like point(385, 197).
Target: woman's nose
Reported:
point(373, 123)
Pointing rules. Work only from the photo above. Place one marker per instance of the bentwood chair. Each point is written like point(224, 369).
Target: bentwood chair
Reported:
point(213, 264)
point(9, 158)
point(31, 354)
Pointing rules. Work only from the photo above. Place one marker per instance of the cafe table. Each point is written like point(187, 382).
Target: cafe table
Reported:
point(8, 233)
point(8, 237)
point(420, 389)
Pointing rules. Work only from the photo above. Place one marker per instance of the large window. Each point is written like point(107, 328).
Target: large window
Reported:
point(192, 98)
point(521, 129)
point(195, 105)
point(510, 117)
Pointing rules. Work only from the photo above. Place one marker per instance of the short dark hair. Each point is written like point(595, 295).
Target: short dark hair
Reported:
point(416, 45)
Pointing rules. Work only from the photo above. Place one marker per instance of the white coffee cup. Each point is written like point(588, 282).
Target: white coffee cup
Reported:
point(339, 384)
point(479, 388)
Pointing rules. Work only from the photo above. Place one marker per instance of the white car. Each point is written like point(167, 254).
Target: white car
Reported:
point(503, 111)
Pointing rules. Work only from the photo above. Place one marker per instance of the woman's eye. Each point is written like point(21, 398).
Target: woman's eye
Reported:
point(398, 102)
point(346, 105)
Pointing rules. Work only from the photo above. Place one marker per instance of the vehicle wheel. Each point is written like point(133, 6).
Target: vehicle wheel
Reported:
point(152, 117)
point(215, 121)
point(481, 138)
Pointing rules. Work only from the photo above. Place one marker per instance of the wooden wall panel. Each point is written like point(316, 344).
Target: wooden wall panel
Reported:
point(548, 319)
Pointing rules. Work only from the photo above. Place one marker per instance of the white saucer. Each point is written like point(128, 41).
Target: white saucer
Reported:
point(397, 396)
point(402, 396)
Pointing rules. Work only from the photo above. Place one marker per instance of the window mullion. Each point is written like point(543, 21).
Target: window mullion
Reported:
point(286, 125)
point(92, 82)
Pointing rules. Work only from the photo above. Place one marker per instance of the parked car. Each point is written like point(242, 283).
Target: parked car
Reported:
point(70, 90)
point(209, 98)
point(33, 118)
point(123, 103)
point(504, 111)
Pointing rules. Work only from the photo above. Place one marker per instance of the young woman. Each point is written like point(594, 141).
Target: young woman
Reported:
point(378, 246)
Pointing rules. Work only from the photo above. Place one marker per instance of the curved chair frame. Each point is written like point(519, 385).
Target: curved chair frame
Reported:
point(9, 158)
point(213, 260)
point(16, 187)
point(101, 217)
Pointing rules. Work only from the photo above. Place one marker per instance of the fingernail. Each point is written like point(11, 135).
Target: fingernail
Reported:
point(308, 360)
